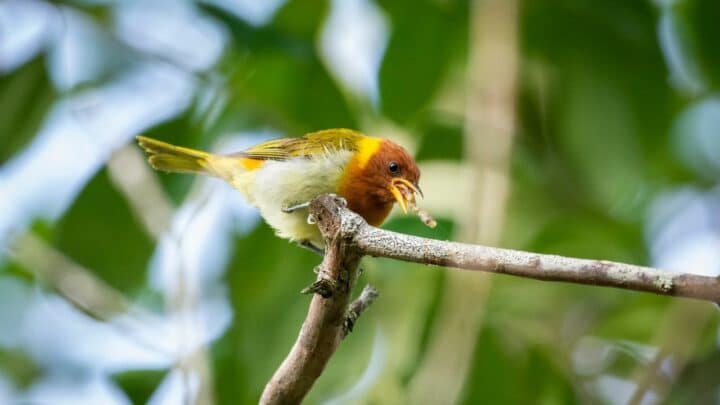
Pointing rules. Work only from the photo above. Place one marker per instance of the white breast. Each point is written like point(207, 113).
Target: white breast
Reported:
point(279, 184)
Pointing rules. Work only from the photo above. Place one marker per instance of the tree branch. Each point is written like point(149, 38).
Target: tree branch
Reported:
point(349, 238)
point(368, 295)
point(377, 242)
point(324, 326)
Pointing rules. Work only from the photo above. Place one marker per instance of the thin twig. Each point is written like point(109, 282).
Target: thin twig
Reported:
point(349, 238)
point(368, 295)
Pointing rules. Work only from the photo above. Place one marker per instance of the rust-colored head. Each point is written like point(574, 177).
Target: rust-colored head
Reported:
point(381, 174)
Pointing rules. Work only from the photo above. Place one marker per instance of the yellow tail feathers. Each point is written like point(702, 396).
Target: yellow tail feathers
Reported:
point(171, 158)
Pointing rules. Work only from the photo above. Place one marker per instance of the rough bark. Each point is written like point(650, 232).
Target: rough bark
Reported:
point(349, 238)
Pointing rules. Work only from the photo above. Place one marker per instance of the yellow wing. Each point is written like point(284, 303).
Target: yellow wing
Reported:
point(310, 145)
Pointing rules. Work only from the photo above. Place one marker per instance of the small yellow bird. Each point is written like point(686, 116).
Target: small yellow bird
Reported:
point(281, 176)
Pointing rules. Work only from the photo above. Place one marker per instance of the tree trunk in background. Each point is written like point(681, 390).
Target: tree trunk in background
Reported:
point(489, 129)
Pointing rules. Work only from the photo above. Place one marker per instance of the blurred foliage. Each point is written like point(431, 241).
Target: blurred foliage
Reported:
point(592, 151)
point(528, 376)
point(276, 72)
point(423, 45)
point(451, 147)
point(25, 99)
point(115, 246)
point(266, 318)
point(25, 371)
point(704, 29)
point(139, 385)
point(698, 383)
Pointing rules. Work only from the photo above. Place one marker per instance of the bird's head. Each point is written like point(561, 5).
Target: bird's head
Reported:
point(382, 173)
point(393, 175)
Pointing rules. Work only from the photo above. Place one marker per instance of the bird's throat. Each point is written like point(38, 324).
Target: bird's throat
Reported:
point(371, 210)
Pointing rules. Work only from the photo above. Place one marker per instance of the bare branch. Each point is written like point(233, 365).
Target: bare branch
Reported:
point(349, 238)
point(368, 295)
point(322, 330)
point(377, 242)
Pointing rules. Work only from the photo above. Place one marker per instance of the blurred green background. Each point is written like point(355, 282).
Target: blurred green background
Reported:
point(572, 127)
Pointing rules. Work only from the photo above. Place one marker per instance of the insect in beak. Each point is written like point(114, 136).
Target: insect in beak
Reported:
point(404, 192)
point(419, 190)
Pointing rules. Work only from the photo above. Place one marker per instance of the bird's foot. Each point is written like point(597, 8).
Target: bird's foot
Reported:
point(306, 244)
point(292, 208)
point(339, 199)
point(289, 209)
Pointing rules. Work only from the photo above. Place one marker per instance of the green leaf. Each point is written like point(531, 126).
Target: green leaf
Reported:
point(139, 385)
point(503, 374)
point(26, 95)
point(412, 225)
point(100, 232)
point(19, 367)
point(599, 116)
point(427, 37)
point(437, 294)
point(442, 139)
point(703, 16)
point(301, 19)
point(295, 91)
point(582, 235)
point(699, 381)
point(264, 278)
point(276, 76)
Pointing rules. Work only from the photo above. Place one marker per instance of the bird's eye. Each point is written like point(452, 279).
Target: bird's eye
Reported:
point(394, 167)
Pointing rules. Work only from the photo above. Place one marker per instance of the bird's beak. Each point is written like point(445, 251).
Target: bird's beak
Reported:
point(418, 189)
point(404, 192)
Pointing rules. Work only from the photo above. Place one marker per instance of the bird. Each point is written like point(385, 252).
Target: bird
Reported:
point(281, 176)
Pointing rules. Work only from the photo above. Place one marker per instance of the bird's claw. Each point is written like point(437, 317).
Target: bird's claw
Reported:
point(292, 208)
point(306, 244)
point(289, 209)
point(340, 200)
